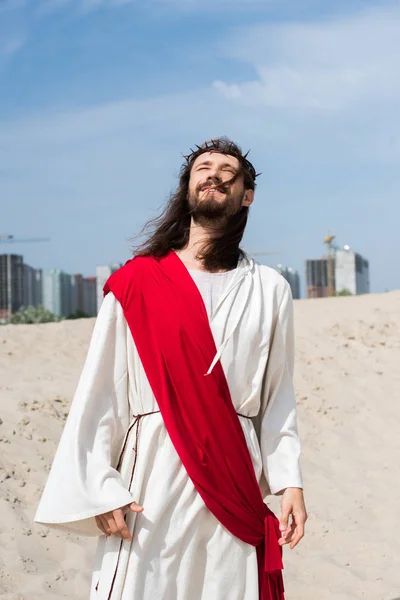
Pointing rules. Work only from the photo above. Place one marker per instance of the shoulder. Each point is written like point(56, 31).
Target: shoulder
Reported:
point(273, 282)
point(132, 267)
point(123, 281)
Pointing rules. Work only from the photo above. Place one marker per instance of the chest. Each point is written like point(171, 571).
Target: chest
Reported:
point(242, 327)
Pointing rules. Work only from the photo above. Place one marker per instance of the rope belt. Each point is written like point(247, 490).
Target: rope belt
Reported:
point(136, 421)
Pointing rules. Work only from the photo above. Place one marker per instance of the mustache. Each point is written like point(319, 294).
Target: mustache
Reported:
point(220, 187)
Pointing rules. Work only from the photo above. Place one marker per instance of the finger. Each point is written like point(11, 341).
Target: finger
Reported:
point(135, 507)
point(287, 535)
point(100, 524)
point(299, 534)
point(111, 524)
point(289, 531)
point(122, 526)
point(104, 522)
point(285, 514)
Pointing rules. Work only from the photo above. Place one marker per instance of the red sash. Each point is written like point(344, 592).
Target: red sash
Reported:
point(170, 327)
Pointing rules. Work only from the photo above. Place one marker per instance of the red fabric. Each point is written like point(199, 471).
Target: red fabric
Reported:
point(169, 324)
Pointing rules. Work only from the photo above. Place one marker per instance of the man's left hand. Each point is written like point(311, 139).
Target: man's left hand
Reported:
point(292, 504)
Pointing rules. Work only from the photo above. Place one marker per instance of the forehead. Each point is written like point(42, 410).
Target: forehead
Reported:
point(216, 158)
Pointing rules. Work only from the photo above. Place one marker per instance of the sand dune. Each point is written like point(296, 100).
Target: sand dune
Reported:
point(348, 384)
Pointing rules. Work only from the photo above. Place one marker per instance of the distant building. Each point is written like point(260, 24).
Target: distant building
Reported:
point(75, 293)
point(293, 278)
point(57, 292)
point(102, 274)
point(65, 294)
point(89, 296)
point(317, 278)
point(32, 286)
point(11, 284)
point(83, 295)
point(352, 272)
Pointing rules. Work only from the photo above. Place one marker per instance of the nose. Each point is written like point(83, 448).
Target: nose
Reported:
point(214, 175)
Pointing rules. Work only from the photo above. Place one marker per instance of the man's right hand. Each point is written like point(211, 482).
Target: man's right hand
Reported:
point(113, 522)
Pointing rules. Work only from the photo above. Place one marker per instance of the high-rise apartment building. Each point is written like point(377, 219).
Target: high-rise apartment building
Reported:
point(65, 294)
point(293, 278)
point(75, 293)
point(57, 292)
point(350, 274)
point(317, 278)
point(89, 296)
point(102, 274)
point(32, 286)
point(11, 284)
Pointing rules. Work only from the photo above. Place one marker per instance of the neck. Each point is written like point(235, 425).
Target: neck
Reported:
point(189, 255)
point(214, 247)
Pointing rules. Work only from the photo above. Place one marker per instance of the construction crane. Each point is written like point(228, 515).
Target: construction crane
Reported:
point(328, 240)
point(6, 238)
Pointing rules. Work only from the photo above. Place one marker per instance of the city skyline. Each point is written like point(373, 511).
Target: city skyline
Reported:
point(66, 294)
point(63, 294)
point(104, 97)
point(349, 266)
point(273, 263)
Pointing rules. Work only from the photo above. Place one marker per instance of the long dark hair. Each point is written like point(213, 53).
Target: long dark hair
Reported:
point(170, 230)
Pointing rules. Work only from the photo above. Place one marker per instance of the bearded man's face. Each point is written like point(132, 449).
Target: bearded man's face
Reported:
point(216, 188)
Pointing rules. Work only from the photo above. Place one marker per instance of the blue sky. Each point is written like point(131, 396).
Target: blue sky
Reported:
point(99, 98)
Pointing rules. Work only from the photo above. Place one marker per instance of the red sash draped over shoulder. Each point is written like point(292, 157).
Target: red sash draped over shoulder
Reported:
point(170, 327)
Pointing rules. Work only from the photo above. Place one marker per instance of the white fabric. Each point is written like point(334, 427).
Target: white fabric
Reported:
point(211, 286)
point(179, 550)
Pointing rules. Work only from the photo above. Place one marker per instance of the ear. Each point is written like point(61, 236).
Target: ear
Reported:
point(248, 198)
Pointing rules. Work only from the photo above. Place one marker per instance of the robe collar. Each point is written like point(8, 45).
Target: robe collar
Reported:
point(244, 269)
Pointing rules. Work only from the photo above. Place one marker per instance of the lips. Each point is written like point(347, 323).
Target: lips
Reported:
point(210, 188)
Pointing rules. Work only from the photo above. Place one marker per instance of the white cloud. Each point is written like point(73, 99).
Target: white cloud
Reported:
point(330, 65)
point(336, 80)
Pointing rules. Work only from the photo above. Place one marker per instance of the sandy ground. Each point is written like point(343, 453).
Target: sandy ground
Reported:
point(348, 383)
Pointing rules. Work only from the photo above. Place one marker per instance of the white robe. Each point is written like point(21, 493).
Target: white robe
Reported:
point(179, 550)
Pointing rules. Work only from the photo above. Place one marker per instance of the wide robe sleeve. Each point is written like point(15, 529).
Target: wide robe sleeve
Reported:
point(279, 440)
point(83, 482)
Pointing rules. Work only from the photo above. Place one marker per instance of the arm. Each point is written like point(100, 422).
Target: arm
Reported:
point(279, 440)
point(83, 482)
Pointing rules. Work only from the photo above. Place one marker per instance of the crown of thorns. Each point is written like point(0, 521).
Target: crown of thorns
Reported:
point(217, 146)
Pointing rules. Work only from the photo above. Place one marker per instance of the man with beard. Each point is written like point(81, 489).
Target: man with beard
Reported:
point(185, 416)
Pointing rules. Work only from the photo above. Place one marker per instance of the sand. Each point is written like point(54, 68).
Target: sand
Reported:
point(348, 387)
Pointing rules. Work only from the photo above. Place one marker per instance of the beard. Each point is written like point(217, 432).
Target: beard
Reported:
point(212, 212)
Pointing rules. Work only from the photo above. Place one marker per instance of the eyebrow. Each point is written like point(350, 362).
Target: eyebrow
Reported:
point(209, 162)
